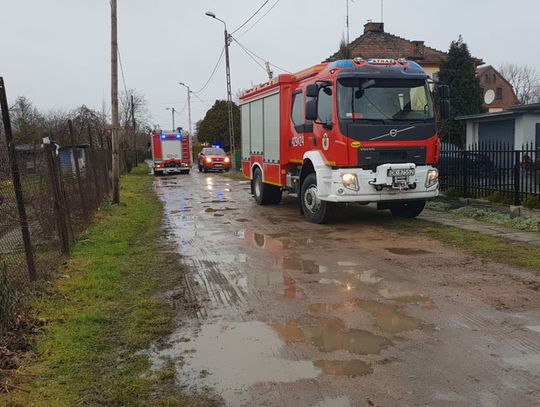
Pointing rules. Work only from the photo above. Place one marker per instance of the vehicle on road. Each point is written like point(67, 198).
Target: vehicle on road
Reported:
point(171, 153)
point(346, 131)
point(213, 159)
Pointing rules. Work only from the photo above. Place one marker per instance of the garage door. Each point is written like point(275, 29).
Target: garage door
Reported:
point(501, 131)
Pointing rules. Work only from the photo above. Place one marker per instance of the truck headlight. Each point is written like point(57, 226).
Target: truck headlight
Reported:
point(227, 159)
point(432, 177)
point(350, 181)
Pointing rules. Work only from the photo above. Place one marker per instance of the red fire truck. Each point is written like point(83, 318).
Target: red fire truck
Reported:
point(171, 153)
point(346, 131)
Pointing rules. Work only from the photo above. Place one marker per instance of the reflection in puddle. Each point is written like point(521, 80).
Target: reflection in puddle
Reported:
point(290, 290)
point(261, 279)
point(330, 335)
point(350, 368)
point(368, 277)
point(407, 252)
point(387, 317)
point(235, 356)
point(307, 266)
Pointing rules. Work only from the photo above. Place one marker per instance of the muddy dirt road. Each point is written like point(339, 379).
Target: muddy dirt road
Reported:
point(351, 314)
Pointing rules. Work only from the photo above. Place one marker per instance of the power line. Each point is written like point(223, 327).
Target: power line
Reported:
point(256, 22)
point(207, 104)
point(252, 16)
point(213, 73)
point(122, 71)
point(253, 55)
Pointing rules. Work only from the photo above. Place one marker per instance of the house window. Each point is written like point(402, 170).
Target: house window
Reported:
point(499, 94)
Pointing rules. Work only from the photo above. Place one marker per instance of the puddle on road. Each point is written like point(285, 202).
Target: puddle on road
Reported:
point(400, 251)
point(330, 335)
point(388, 318)
point(306, 266)
point(350, 368)
point(241, 220)
point(325, 308)
point(235, 356)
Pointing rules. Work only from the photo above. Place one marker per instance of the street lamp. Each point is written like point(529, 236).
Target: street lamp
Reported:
point(229, 90)
point(173, 111)
point(188, 102)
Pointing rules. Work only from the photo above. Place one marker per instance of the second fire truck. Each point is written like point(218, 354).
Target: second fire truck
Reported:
point(346, 131)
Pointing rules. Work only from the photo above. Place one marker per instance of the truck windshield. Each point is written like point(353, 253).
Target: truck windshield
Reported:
point(384, 100)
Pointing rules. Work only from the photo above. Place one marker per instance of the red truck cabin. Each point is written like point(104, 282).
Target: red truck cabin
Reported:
point(171, 153)
point(365, 128)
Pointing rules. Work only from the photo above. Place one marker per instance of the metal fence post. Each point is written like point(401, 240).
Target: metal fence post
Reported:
point(466, 174)
point(58, 200)
point(517, 175)
point(17, 186)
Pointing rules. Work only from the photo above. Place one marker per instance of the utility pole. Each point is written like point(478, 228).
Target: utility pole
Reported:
point(188, 103)
point(229, 90)
point(114, 104)
point(348, 30)
point(173, 111)
point(134, 126)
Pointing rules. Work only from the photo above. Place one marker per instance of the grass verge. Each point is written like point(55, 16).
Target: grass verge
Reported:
point(475, 243)
point(104, 311)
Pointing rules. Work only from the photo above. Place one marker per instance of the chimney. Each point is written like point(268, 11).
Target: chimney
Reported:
point(373, 27)
point(419, 47)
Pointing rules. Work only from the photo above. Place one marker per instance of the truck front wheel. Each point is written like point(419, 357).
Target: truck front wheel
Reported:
point(265, 194)
point(315, 210)
point(407, 210)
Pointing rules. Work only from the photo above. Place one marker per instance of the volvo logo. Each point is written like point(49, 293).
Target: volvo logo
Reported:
point(393, 133)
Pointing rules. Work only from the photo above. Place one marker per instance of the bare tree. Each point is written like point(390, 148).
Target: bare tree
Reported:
point(524, 79)
point(142, 113)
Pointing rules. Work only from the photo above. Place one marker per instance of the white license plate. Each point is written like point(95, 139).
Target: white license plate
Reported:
point(402, 172)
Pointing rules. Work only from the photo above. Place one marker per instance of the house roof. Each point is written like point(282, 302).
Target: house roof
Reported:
point(483, 69)
point(376, 43)
point(533, 108)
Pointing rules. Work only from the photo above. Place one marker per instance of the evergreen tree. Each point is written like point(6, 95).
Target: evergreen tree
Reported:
point(459, 73)
point(214, 128)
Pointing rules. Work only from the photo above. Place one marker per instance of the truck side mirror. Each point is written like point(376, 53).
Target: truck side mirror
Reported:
point(445, 109)
point(444, 92)
point(312, 109)
point(312, 91)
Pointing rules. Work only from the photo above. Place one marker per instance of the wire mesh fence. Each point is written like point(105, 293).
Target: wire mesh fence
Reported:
point(49, 192)
point(493, 168)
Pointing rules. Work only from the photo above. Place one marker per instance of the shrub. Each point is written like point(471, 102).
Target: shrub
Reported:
point(452, 193)
point(531, 202)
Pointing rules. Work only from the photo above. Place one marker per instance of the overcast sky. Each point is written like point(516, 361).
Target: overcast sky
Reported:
point(57, 52)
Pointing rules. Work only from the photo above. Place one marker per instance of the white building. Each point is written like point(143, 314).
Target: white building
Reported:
point(516, 127)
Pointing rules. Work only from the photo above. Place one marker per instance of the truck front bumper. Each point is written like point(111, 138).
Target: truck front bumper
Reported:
point(378, 185)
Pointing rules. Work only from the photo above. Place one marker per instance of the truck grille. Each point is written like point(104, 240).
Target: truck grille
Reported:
point(371, 158)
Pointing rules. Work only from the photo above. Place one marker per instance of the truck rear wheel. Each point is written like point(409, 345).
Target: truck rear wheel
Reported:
point(315, 210)
point(407, 210)
point(265, 194)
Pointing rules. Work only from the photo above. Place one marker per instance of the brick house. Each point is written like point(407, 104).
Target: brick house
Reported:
point(376, 43)
point(498, 93)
